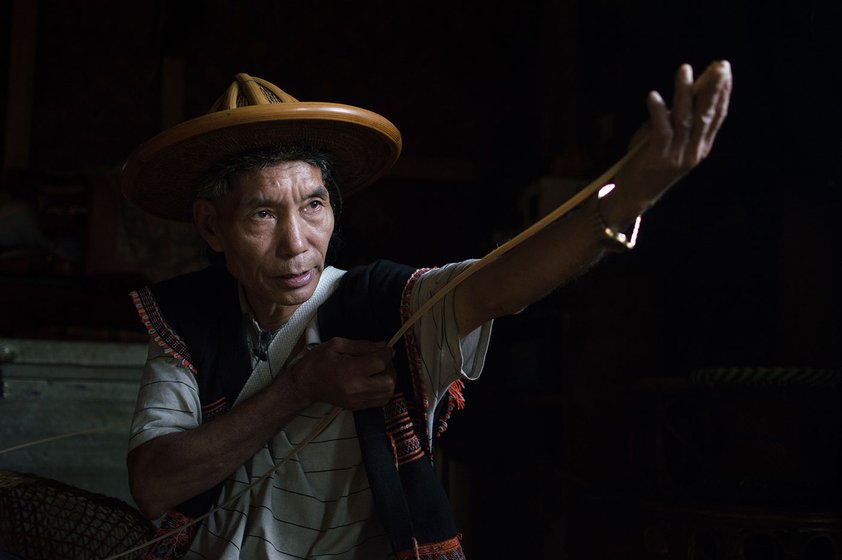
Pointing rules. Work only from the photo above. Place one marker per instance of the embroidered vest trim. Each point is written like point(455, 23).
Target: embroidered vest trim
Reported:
point(368, 304)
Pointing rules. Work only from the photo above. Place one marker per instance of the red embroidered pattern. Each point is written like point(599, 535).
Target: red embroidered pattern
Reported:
point(450, 549)
point(411, 344)
point(158, 329)
point(405, 443)
point(175, 545)
point(454, 392)
point(214, 409)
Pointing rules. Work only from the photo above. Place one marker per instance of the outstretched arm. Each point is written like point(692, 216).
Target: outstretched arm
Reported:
point(675, 141)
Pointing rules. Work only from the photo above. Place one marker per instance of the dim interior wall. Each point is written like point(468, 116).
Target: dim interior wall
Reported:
point(54, 389)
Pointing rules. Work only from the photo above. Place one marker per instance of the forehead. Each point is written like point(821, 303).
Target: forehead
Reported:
point(288, 175)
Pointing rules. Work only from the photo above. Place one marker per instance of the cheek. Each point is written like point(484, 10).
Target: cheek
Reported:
point(248, 251)
point(324, 235)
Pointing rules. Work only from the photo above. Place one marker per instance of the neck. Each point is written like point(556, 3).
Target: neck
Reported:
point(273, 319)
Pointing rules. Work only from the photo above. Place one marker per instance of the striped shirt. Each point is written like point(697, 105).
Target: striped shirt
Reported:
point(318, 504)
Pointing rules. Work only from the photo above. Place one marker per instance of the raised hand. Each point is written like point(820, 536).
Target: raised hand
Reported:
point(677, 139)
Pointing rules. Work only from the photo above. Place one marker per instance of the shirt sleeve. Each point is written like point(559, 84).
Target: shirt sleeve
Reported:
point(444, 356)
point(167, 399)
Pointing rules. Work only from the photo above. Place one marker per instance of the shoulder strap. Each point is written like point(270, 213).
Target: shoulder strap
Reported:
point(283, 344)
point(410, 500)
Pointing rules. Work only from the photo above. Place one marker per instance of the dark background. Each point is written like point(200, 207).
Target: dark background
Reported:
point(608, 396)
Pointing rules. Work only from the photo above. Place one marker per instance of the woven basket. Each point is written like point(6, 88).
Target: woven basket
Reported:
point(45, 519)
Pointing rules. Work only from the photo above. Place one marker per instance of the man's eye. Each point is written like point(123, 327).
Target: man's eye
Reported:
point(315, 205)
point(263, 214)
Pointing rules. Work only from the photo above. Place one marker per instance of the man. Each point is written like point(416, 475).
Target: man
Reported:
point(270, 396)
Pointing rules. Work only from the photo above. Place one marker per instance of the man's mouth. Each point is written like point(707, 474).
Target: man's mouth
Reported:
point(296, 280)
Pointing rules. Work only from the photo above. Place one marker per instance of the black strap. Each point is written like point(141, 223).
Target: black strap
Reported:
point(410, 501)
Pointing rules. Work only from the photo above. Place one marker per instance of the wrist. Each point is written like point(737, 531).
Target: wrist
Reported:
point(289, 389)
point(614, 234)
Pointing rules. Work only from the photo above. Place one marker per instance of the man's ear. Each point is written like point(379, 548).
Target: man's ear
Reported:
point(207, 221)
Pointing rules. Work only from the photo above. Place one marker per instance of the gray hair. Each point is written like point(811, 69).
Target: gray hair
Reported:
point(216, 182)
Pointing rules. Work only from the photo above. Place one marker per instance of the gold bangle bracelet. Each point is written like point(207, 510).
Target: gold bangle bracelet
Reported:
point(613, 240)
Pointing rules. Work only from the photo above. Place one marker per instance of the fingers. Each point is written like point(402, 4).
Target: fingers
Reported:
point(355, 347)
point(374, 390)
point(724, 83)
point(660, 136)
point(681, 116)
point(361, 357)
point(671, 129)
point(369, 379)
point(352, 358)
point(679, 137)
point(683, 136)
point(713, 91)
point(353, 374)
point(363, 389)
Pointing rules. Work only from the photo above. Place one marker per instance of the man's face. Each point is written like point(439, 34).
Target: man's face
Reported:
point(274, 227)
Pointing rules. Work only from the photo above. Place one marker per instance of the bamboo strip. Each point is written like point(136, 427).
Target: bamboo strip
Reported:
point(319, 428)
point(571, 203)
point(568, 205)
point(54, 438)
point(556, 214)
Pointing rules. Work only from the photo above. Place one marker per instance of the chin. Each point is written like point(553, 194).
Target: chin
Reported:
point(295, 297)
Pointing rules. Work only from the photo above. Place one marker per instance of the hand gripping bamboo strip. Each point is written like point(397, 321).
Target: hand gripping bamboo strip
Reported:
point(571, 203)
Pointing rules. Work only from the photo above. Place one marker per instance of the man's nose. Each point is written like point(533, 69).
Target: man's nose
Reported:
point(290, 238)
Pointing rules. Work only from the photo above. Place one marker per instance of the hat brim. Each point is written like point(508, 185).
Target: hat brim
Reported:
point(162, 174)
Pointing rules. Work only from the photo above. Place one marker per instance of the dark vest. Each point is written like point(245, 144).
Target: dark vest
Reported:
point(203, 308)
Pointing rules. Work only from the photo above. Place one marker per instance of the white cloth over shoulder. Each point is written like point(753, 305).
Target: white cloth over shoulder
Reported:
point(318, 504)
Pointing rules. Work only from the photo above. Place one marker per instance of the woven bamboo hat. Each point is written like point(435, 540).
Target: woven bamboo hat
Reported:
point(162, 174)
